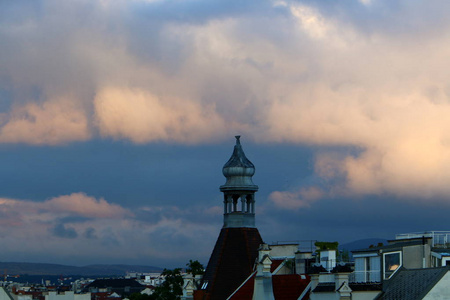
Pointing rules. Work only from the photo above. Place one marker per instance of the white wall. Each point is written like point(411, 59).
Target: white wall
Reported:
point(86, 296)
point(22, 297)
point(3, 294)
point(324, 296)
point(441, 290)
point(365, 295)
point(287, 250)
point(67, 296)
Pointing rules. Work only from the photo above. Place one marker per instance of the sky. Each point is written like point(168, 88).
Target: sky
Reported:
point(116, 118)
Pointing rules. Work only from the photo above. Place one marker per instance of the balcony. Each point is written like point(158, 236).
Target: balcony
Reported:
point(365, 277)
point(440, 239)
point(326, 278)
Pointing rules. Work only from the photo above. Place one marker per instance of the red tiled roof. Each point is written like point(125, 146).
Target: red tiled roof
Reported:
point(104, 296)
point(285, 287)
point(34, 294)
point(231, 262)
point(245, 292)
point(275, 264)
point(289, 287)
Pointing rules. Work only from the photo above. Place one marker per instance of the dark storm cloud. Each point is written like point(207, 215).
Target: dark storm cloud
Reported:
point(60, 230)
point(343, 106)
point(149, 19)
point(390, 18)
point(90, 233)
point(346, 220)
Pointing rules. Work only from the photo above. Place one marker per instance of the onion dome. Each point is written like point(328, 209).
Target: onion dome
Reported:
point(239, 171)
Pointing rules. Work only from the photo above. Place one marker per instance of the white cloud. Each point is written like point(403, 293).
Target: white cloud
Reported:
point(143, 117)
point(51, 123)
point(311, 21)
point(366, 2)
point(293, 200)
point(82, 205)
point(77, 227)
point(314, 76)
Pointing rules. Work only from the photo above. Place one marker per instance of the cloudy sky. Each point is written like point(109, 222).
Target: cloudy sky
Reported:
point(116, 118)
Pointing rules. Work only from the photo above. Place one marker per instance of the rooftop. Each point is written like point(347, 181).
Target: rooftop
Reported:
point(412, 284)
point(440, 239)
point(393, 245)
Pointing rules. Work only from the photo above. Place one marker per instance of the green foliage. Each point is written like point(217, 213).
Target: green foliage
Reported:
point(345, 255)
point(290, 264)
point(327, 245)
point(195, 268)
point(139, 296)
point(171, 288)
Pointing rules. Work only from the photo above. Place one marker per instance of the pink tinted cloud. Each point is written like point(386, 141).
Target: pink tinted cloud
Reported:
point(301, 198)
point(323, 81)
point(142, 117)
point(105, 234)
point(54, 122)
point(83, 205)
point(75, 204)
point(11, 213)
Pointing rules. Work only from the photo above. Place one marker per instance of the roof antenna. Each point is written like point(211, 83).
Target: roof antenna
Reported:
point(238, 142)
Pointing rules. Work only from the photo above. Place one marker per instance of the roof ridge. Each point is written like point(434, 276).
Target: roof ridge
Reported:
point(239, 287)
point(434, 281)
point(221, 249)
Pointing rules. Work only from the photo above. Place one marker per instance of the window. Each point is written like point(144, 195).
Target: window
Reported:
point(367, 269)
point(392, 262)
point(374, 274)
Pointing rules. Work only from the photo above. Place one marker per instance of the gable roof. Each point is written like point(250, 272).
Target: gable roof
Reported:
point(325, 287)
point(245, 291)
point(275, 264)
point(365, 286)
point(289, 287)
point(4, 294)
point(411, 284)
point(231, 262)
point(285, 287)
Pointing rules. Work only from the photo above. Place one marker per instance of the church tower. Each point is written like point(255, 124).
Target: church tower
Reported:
point(239, 190)
point(236, 249)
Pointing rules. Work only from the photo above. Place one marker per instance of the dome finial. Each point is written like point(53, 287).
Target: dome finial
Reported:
point(238, 170)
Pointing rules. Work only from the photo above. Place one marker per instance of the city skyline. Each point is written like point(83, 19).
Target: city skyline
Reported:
point(116, 118)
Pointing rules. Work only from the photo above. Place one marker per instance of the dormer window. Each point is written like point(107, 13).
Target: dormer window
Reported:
point(392, 261)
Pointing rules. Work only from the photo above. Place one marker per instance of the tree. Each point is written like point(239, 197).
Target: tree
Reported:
point(195, 268)
point(139, 296)
point(171, 288)
point(345, 255)
point(326, 245)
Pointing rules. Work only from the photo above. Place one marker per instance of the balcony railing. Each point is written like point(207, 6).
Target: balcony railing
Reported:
point(326, 278)
point(365, 276)
point(440, 239)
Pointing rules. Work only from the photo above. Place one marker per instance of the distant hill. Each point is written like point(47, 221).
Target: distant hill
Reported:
point(18, 268)
point(362, 244)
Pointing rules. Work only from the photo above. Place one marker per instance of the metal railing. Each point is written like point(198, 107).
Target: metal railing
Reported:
point(365, 276)
point(440, 239)
point(303, 245)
